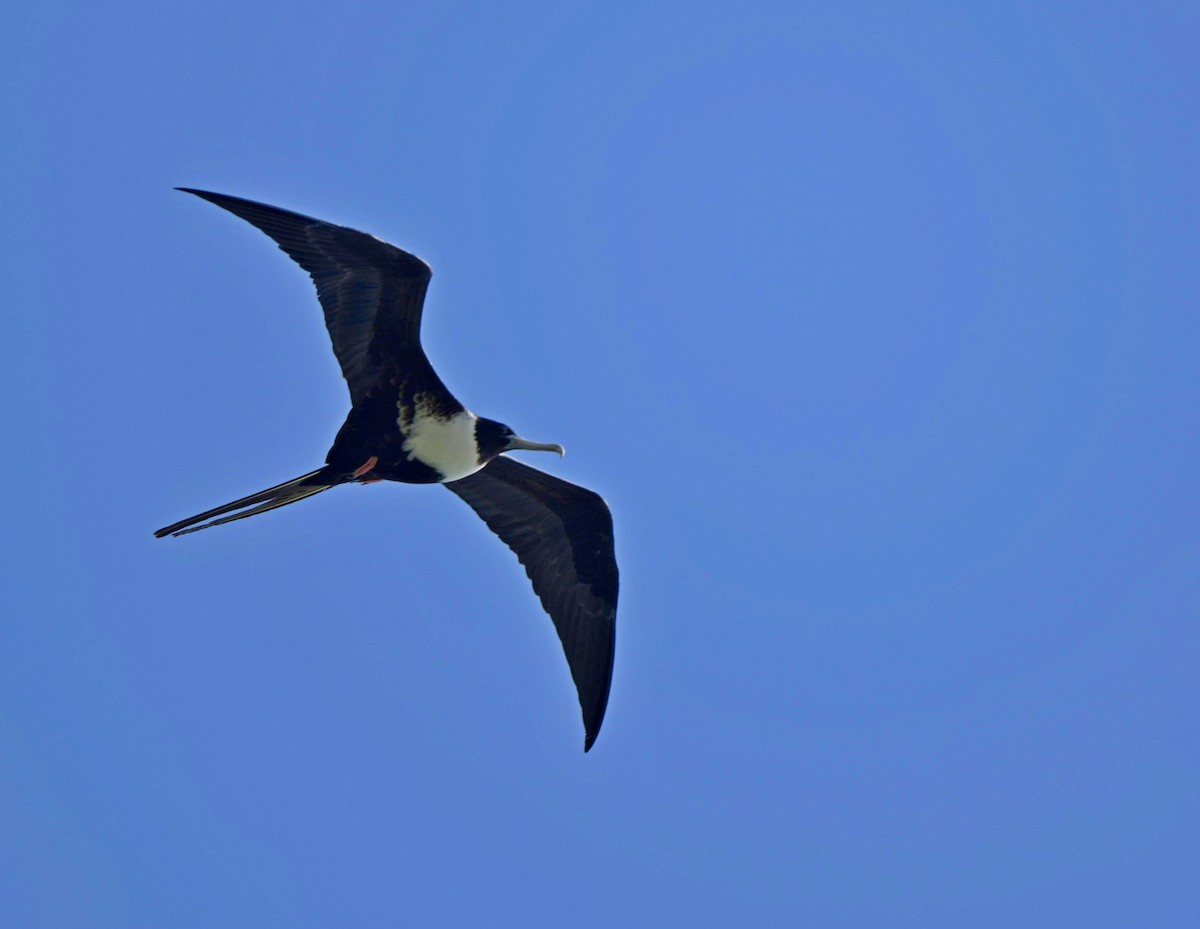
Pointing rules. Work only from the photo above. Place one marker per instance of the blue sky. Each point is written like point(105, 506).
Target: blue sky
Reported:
point(876, 324)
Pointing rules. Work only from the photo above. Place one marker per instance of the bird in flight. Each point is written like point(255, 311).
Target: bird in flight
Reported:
point(404, 425)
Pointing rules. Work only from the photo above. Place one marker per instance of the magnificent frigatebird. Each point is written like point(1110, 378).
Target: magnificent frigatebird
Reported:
point(404, 425)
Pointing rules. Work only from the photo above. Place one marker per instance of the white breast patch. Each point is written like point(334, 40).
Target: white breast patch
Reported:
point(447, 445)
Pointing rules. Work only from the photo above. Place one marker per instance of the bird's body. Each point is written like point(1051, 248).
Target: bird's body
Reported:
point(416, 440)
point(404, 425)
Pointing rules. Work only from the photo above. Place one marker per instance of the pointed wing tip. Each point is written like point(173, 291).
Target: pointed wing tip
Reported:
point(221, 200)
point(591, 733)
point(208, 195)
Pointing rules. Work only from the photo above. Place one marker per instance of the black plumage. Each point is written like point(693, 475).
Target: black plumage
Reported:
point(562, 533)
point(405, 425)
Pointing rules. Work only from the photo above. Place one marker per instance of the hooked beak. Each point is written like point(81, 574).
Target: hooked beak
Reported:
point(525, 445)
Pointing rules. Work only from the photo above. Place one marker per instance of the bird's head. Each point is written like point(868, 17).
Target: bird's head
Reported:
point(493, 438)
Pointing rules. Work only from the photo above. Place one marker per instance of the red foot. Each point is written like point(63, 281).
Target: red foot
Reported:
point(370, 463)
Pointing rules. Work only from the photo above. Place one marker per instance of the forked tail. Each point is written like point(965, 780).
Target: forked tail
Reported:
point(261, 502)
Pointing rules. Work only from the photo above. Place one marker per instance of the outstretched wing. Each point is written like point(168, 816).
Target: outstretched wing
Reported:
point(372, 292)
point(563, 535)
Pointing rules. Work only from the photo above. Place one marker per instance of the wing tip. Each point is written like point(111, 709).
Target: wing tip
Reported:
point(592, 730)
point(222, 200)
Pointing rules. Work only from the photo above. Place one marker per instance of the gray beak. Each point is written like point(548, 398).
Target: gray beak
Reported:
point(516, 442)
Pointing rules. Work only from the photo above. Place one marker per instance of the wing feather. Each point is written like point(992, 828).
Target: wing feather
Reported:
point(372, 293)
point(563, 535)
